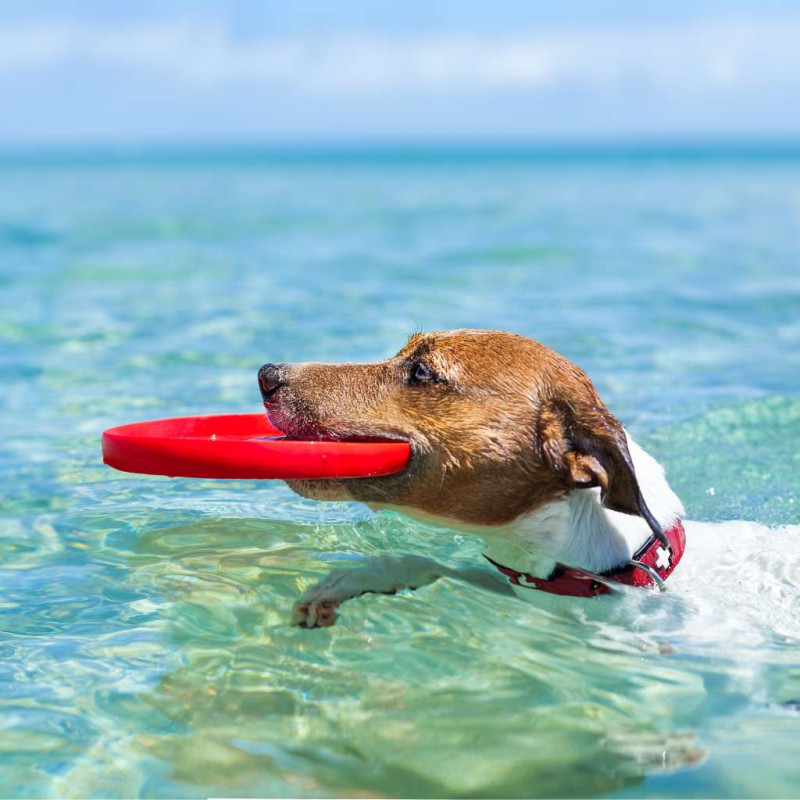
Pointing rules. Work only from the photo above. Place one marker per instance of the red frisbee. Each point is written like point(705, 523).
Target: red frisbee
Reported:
point(242, 446)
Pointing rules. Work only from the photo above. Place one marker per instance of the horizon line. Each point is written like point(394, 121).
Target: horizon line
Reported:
point(727, 146)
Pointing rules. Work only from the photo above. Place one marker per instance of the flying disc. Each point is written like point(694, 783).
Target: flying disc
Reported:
point(242, 446)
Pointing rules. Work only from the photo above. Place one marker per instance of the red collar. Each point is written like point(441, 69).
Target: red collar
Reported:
point(652, 563)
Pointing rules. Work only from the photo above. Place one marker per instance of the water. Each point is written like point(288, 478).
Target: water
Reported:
point(144, 645)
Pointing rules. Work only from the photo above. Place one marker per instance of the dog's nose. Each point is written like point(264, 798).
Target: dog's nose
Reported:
point(270, 380)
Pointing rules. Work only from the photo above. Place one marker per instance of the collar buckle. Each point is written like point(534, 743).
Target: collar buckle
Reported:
point(657, 579)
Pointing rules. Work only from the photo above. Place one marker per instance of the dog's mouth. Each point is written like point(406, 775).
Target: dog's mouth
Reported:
point(308, 431)
point(331, 489)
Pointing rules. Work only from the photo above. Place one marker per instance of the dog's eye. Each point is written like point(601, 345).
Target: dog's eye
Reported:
point(421, 373)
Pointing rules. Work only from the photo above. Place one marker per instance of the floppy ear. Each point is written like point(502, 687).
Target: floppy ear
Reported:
point(586, 444)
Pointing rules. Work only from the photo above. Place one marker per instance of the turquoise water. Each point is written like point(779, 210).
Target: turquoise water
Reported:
point(144, 644)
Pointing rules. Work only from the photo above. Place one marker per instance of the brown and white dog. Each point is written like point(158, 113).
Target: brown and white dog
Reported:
point(509, 441)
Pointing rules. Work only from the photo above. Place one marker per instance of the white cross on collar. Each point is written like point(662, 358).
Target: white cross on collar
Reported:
point(663, 557)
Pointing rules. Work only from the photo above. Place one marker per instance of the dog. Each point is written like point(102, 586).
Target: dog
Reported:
point(509, 441)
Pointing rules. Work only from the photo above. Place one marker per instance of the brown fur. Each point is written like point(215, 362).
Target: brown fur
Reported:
point(505, 426)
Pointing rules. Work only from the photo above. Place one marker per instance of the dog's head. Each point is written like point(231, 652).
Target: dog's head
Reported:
point(499, 425)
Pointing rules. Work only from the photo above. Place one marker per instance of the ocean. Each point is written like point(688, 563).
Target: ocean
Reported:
point(145, 645)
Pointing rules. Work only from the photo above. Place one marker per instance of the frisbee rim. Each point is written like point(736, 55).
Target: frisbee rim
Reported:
point(241, 446)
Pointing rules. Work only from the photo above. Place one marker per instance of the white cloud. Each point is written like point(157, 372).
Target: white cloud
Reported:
point(716, 56)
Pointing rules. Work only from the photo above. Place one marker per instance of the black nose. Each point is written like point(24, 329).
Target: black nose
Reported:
point(269, 380)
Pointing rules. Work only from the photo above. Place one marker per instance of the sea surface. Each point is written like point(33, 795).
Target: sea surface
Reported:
point(145, 645)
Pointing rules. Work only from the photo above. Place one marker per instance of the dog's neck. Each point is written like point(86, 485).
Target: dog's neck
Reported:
point(578, 531)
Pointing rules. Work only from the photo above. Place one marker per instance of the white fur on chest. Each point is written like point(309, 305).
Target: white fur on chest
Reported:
point(578, 531)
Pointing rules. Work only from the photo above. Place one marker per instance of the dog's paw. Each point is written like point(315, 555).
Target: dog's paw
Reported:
point(315, 612)
point(385, 575)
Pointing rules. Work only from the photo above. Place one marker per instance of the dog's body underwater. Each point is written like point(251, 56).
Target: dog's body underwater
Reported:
point(509, 441)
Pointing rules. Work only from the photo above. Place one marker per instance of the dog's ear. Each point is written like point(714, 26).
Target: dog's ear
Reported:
point(585, 444)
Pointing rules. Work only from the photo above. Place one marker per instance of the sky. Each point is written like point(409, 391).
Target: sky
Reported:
point(204, 71)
